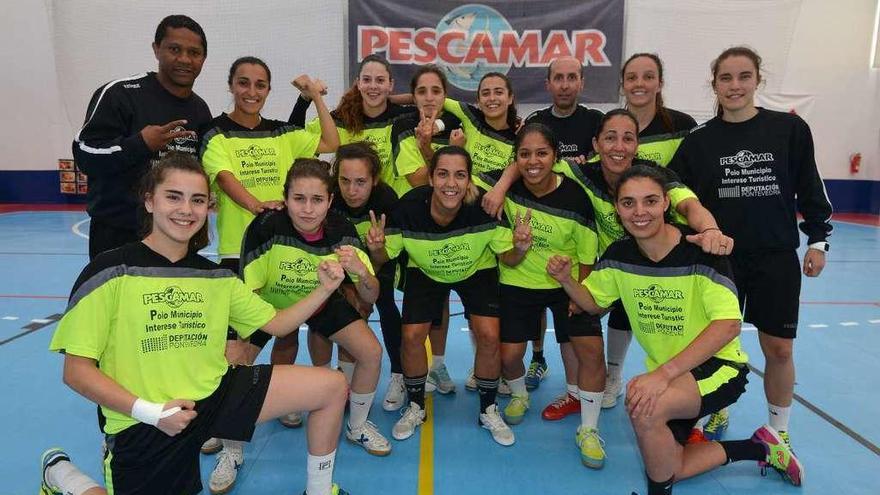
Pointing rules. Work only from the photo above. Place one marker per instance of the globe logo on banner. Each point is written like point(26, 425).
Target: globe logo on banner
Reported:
point(479, 26)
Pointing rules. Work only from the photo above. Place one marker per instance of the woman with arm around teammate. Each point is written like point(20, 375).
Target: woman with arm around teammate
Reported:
point(682, 305)
point(452, 245)
point(755, 169)
point(144, 336)
point(562, 223)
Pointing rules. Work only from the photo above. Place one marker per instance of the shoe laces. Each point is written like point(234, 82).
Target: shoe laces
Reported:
point(492, 419)
point(442, 374)
point(410, 416)
point(534, 369)
point(562, 400)
point(715, 421)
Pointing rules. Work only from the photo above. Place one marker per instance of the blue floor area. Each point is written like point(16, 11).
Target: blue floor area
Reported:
point(836, 355)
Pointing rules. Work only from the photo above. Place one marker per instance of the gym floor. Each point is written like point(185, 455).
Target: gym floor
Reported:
point(834, 428)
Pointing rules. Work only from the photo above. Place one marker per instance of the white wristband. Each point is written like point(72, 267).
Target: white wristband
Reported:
point(150, 412)
point(440, 125)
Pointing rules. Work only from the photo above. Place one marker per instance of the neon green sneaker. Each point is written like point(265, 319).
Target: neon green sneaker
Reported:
point(784, 436)
point(717, 425)
point(516, 409)
point(779, 455)
point(591, 446)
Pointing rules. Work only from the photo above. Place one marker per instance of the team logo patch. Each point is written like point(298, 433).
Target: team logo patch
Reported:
point(301, 266)
point(255, 152)
point(745, 159)
point(173, 296)
point(657, 294)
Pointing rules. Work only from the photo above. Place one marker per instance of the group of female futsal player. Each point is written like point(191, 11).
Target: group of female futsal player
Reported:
point(446, 196)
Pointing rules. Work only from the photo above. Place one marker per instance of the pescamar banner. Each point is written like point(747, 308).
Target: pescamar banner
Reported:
point(514, 37)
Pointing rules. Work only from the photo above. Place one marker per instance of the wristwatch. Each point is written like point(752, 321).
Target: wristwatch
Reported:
point(820, 246)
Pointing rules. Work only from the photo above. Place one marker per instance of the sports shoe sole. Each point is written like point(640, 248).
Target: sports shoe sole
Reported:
point(377, 453)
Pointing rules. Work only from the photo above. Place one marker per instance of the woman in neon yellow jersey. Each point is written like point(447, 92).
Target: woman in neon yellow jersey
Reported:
point(682, 305)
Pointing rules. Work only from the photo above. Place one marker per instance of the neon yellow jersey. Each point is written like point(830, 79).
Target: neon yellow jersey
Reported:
point(562, 223)
point(406, 155)
point(282, 266)
point(589, 177)
point(489, 149)
point(377, 130)
point(259, 158)
point(659, 141)
point(668, 303)
point(155, 327)
point(449, 253)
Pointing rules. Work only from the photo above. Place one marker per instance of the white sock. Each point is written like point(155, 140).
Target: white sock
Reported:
point(591, 404)
point(618, 344)
point(347, 370)
point(320, 474)
point(66, 476)
point(437, 361)
point(572, 390)
point(359, 408)
point(518, 386)
point(778, 417)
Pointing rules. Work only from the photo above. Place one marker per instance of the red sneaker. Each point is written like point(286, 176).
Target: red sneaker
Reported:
point(564, 405)
point(696, 436)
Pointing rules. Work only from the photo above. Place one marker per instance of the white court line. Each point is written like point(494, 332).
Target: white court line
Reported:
point(42, 321)
point(818, 325)
point(76, 231)
point(849, 323)
point(873, 321)
point(10, 318)
point(551, 330)
point(465, 329)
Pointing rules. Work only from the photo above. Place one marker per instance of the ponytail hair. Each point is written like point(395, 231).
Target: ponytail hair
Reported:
point(658, 100)
point(512, 118)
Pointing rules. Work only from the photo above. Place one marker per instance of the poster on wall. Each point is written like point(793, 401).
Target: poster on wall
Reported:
point(514, 37)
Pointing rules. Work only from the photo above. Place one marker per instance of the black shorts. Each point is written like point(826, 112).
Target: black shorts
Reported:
point(143, 460)
point(424, 298)
point(769, 288)
point(333, 316)
point(733, 379)
point(617, 319)
point(521, 311)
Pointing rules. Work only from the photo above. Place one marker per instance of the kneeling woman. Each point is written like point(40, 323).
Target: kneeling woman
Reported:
point(451, 243)
point(683, 308)
point(144, 337)
point(280, 252)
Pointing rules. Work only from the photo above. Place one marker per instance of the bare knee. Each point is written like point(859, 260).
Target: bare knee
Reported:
point(778, 351)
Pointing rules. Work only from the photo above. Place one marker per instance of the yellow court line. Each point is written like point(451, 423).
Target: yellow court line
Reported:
point(426, 441)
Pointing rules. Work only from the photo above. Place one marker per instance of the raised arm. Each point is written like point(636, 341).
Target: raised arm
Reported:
point(311, 89)
point(559, 267)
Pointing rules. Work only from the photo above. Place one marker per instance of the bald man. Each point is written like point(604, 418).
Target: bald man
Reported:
point(573, 124)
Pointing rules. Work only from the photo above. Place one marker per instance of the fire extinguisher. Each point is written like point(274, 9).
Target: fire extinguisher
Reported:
point(855, 163)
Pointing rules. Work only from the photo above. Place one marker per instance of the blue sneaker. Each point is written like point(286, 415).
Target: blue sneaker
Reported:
point(49, 459)
point(537, 372)
point(717, 425)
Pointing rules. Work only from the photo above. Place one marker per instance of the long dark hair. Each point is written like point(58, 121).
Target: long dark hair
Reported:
point(156, 176)
point(359, 150)
point(512, 118)
point(472, 192)
point(351, 106)
point(658, 100)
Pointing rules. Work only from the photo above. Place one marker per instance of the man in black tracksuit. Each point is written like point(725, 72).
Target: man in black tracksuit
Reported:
point(133, 122)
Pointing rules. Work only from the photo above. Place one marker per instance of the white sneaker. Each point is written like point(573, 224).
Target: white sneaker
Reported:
point(368, 436)
point(225, 471)
point(412, 417)
point(211, 446)
point(471, 382)
point(440, 380)
point(503, 388)
point(396, 393)
point(292, 420)
point(492, 421)
point(613, 390)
